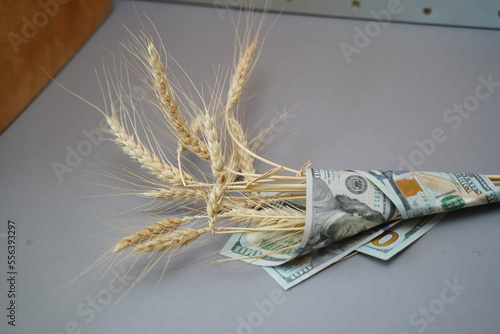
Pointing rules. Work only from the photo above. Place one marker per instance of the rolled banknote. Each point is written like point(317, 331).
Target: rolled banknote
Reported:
point(344, 203)
point(422, 193)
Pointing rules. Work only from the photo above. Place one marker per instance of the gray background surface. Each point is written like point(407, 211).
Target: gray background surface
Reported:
point(368, 113)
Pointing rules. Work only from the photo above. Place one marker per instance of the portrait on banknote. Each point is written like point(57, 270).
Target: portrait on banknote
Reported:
point(339, 216)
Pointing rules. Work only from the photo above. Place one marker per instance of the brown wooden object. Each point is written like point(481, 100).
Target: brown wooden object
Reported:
point(37, 37)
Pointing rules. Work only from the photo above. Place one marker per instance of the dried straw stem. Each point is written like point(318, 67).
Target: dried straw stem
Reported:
point(250, 202)
point(268, 217)
point(182, 194)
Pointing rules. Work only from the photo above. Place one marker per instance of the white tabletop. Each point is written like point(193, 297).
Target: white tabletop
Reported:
point(376, 109)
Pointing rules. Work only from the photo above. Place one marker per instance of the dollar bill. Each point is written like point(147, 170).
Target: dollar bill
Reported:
point(301, 268)
point(261, 248)
point(423, 193)
point(400, 236)
point(341, 204)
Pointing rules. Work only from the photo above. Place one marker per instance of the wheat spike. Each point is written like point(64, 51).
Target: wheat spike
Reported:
point(214, 146)
point(238, 80)
point(172, 240)
point(148, 160)
point(216, 198)
point(149, 232)
point(241, 74)
point(194, 127)
point(169, 106)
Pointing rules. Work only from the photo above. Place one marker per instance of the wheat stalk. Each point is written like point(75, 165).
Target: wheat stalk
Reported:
point(181, 194)
point(274, 216)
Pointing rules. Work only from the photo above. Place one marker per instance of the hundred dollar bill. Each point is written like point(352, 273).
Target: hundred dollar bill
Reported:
point(343, 203)
point(423, 193)
point(299, 269)
point(400, 236)
point(261, 248)
point(340, 204)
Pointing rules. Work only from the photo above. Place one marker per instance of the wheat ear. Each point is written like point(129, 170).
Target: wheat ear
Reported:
point(169, 106)
point(214, 146)
point(215, 202)
point(238, 80)
point(194, 127)
point(172, 240)
point(138, 151)
point(149, 232)
point(243, 68)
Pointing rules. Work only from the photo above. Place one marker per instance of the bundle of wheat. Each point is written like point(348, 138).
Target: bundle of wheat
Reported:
point(234, 193)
